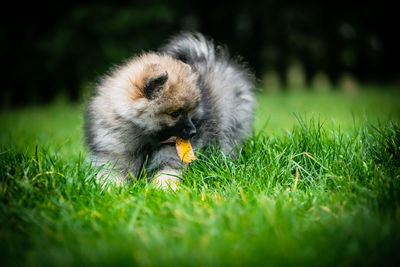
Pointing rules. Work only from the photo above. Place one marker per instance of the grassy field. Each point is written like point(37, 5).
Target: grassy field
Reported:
point(317, 184)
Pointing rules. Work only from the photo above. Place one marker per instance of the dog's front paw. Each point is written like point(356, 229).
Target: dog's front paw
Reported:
point(167, 179)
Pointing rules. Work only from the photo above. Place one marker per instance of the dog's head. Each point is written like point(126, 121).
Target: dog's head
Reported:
point(159, 94)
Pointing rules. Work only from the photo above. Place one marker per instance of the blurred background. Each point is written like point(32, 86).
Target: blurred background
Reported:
point(59, 49)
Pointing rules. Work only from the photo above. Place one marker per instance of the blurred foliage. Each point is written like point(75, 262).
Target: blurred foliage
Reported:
point(63, 47)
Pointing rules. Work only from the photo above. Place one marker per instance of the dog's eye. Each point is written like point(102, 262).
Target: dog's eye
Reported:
point(174, 115)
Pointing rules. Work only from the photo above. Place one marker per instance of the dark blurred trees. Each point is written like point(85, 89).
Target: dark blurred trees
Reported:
point(48, 49)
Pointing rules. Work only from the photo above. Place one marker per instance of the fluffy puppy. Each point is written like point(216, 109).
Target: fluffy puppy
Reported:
point(188, 89)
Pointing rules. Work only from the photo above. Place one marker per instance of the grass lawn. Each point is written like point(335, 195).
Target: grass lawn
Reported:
point(317, 184)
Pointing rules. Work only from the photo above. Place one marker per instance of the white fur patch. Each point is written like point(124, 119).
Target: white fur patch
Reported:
point(167, 179)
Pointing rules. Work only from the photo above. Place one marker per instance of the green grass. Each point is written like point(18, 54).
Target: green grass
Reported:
point(319, 184)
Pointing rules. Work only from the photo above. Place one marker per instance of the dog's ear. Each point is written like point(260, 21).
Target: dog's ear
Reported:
point(154, 85)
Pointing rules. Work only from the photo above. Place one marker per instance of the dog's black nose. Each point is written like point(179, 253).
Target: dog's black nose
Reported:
point(189, 130)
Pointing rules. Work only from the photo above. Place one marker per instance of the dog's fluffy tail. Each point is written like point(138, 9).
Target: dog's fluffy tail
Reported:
point(211, 62)
point(192, 48)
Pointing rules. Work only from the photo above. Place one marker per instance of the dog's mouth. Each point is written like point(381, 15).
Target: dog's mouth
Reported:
point(170, 140)
point(183, 148)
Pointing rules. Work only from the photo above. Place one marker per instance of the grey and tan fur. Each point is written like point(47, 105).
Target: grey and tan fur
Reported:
point(189, 89)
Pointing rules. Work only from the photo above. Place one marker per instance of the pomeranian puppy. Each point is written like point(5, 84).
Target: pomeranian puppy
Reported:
point(189, 90)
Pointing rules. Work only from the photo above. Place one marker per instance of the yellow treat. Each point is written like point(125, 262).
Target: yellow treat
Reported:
point(185, 151)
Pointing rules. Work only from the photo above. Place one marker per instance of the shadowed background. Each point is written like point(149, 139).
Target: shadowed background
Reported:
point(60, 48)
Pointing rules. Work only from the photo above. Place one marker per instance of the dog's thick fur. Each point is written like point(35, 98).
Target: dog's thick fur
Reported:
point(189, 89)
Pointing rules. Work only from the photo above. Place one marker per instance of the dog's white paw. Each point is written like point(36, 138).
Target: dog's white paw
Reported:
point(167, 179)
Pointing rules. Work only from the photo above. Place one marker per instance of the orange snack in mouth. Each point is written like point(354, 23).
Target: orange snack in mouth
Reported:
point(185, 151)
